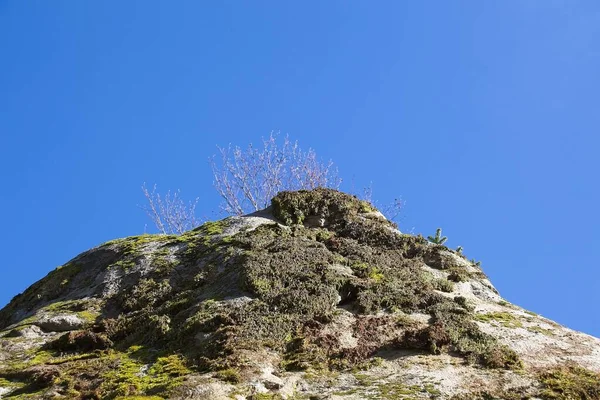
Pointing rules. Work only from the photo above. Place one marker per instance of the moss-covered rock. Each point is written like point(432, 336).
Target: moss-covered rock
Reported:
point(318, 207)
point(570, 381)
point(328, 290)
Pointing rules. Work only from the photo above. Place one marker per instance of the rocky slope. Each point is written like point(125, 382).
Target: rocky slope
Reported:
point(317, 297)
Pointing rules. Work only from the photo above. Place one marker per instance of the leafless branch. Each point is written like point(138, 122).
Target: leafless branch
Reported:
point(170, 214)
point(248, 179)
point(392, 210)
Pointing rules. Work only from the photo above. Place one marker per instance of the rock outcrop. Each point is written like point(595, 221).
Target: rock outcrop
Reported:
point(317, 297)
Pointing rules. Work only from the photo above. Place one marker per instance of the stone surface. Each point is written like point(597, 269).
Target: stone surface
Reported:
point(61, 323)
point(29, 332)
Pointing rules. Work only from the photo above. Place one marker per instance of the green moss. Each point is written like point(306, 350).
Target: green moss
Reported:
point(268, 396)
point(453, 329)
point(444, 285)
point(130, 248)
point(539, 329)
point(293, 207)
point(228, 375)
point(133, 377)
point(430, 388)
point(304, 355)
point(372, 388)
point(146, 293)
point(458, 275)
point(323, 235)
point(138, 328)
point(464, 303)
point(88, 310)
point(71, 358)
point(162, 263)
point(61, 306)
point(290, 273)
point(203, 239)
point(206, 318)
point(40, 357)
point(505, 319)
point(375, 275)
point(395, 391)
point(141, 239)
point(5, 383)
point(212, 227)
point(366, 271)
point(366, 207)
point(517, 393)
point(404, 288)
point(171, 366)
point(227, 240)
point(88, 316)
point(570, 382)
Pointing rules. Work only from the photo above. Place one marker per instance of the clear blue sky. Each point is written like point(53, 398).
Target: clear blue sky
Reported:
point(482, 115)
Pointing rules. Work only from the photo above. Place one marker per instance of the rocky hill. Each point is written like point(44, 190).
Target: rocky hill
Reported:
point(317, 297)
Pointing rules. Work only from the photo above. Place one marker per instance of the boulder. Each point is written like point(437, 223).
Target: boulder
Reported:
point(61, 323)
point(29, 332)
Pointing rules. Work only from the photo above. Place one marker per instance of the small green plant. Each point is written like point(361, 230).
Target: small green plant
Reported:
point(438, 238)
point(229, 375)
point(459, 249)
point(570, 382)
point(444, 285)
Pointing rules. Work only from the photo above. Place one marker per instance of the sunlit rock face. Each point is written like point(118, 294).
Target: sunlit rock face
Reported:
point(316, 297)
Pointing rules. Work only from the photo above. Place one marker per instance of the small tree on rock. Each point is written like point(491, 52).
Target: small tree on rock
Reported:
point(248, 179)
point(438, 238)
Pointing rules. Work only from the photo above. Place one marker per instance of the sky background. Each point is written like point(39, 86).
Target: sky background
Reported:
point(482, 115)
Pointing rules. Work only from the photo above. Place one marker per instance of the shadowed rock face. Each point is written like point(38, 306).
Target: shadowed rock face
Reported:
point(317, 297)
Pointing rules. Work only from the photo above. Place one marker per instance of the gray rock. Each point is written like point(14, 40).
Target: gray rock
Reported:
point(29, 332)
point(272, 382)
point(237, 301)
point(61, 323)
point(484, 292)
point(315, 221)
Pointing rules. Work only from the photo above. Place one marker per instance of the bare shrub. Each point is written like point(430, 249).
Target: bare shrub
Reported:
point(247, 179)
point(390, 210)
point(170, 214)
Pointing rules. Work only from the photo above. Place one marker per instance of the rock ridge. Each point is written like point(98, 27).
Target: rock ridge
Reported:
point(317, 297)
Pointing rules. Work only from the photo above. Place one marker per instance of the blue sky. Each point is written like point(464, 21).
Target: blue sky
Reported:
point(483, 116)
